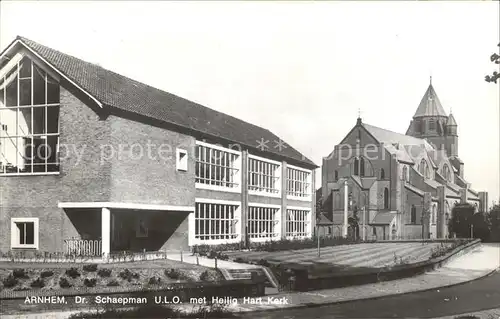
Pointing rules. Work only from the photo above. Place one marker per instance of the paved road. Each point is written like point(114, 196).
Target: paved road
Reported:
point(469, 297)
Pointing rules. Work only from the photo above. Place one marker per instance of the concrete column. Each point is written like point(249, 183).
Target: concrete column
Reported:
point(244, 197)
point(441, 227)
point(483, 202)
point(313, 201)
point(463, 195)
point(395, 186)
point(105, 231)
point(426, 214)
point(346, 209)
point(283, 200)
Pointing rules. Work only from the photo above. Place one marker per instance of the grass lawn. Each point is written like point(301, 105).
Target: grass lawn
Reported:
point(81, 277)
point(373, 255)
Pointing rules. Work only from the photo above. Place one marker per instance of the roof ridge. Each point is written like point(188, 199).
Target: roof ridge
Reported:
point(133, 80)
point(393, 132)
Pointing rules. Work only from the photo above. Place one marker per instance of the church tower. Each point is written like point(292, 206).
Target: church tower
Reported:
point(431, 122)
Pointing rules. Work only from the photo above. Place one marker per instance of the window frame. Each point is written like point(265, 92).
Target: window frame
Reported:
point(14, 235)
point(44, 135)
point(237, 179)
point(278, 178)
point(276, 235)
point(192, 220)
point(307, 221)
point(181, 163)
point(413, 215)
point(308, 196)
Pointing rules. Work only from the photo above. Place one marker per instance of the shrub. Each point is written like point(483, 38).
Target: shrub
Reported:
point(128, 275)
point(64, 283)
point(20, 273)
point(72, 273)
point(90, 268)
point(239, 260)
point(89, 282)
point(104, 272)
point(154, 281)
point(173, 273)
point(263, 262)
point(46, 273)
point(10, 281)
point(205, 276)
point(38, 283)
point(217, 254)
point(113, 283)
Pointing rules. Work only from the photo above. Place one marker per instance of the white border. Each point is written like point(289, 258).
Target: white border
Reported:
point(13, 240)
point(299, 168)
point(30, 174)
point(264, 205)
point(178, 152)
point(252, 192)
point(219, 188)
point(217, 201)
point(125, 206)
point(218, 147)
point(299, 208)
point(264, 159)
point(45, 61)
point(192, 240)
point(277, 225)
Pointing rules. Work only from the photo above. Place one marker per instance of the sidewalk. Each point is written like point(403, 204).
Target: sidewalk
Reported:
point(483, 260)
point(485, 314)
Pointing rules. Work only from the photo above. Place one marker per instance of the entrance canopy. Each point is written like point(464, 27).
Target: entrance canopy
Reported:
point(121, 205)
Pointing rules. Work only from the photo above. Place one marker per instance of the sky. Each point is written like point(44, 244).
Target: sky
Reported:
point(300, 69)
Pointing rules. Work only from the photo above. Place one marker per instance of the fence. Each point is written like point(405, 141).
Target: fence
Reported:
point(81, 247)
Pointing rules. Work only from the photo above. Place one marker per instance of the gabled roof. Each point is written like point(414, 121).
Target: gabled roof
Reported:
point(383, 218)
point(120, 93)
point(430, 104)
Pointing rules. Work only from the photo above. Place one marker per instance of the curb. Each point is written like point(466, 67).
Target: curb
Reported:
point(328, 303)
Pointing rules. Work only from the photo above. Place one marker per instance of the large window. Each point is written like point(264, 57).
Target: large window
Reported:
point(413, 214)
point(217, 167)
point(297, 223)
point(24, 233)
point(386, 198)
point(263, 222)
point(29, 120)
point(264, 176)
point(215, 221)
point(446, 173)
point(298, 182)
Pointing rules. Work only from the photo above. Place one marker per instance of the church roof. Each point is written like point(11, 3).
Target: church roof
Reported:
point(390, 137)
point(430, 104)
point(451, 121)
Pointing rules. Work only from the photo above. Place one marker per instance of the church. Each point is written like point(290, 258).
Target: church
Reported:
point(398, 186)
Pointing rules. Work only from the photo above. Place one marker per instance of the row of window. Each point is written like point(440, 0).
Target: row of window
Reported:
point(222, 167)
point(219, 222)
point(212, 222)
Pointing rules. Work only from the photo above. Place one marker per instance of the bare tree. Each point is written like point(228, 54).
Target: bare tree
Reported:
point(495, 76)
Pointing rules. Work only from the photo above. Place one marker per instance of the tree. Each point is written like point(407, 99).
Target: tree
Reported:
point(494, 217)
point(461, 220)
point(495, 58)
point(481, 224)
